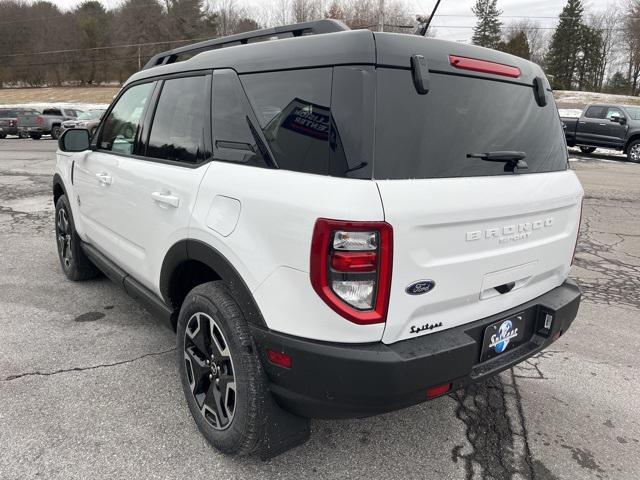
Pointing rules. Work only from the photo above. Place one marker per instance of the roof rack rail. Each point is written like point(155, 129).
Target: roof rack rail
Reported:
point(296, 30)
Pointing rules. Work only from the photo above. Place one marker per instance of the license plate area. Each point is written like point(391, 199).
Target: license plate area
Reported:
point(505, 335)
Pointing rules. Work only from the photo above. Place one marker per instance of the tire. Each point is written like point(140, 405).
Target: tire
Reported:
point(207, 367)
point(588, 149)
point(75, 264)
point(23, 135)
point(35, 136)
point(633, 152)
point(55, 132)
point(3, 136)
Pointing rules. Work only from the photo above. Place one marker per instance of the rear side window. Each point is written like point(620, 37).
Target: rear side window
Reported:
point(429, 136)
point(122, 124)
point(235, 132)
point(596, 112)
point(177, 132)
point(52, 111)
point(293, 108)
point(634, 112)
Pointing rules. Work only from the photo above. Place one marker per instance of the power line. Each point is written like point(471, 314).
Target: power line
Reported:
point(107, 47)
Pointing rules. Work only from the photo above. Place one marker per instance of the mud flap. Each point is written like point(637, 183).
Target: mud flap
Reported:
point(282, 431)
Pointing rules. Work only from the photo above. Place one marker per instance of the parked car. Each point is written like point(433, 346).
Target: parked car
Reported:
point(49, 122)
point(615, 127)
point(337, 224)
point(89, 119)
point(9, 119)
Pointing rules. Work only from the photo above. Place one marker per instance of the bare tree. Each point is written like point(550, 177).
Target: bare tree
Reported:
point(537, 38)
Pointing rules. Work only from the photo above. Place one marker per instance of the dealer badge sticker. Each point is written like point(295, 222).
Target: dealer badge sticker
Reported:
point(500, 340)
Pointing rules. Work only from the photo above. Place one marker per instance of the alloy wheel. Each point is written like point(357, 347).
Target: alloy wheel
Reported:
point(63, 235)
point(634, 153)
point(210, 370)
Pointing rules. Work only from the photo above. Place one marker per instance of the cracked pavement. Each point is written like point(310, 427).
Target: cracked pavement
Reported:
point(89, 387)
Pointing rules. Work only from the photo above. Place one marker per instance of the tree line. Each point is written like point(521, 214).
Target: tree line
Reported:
point(92, 45)
point(593, 52)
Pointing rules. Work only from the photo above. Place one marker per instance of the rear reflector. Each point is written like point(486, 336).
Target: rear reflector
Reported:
point(279, 358)
point(483, 66)
point(434, 392)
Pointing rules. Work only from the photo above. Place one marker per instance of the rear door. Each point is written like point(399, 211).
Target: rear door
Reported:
point(593, 126)
point(488, 237)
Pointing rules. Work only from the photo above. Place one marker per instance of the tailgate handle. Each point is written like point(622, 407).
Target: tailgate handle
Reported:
point(506, 288)
point(420, 74)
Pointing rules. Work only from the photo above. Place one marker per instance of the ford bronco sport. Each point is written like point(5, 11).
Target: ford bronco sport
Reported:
point(337, 224)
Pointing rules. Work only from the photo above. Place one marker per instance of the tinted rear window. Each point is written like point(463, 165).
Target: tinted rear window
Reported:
point(8, 113)
point(429, 136)
point(293, 108)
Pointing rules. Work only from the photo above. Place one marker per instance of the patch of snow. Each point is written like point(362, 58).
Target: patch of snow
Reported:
point(567, 96)
point(75, 105)
point(570, 112)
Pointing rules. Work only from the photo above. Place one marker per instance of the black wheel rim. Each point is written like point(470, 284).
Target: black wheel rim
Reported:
point(63, 235)
point(210, 370)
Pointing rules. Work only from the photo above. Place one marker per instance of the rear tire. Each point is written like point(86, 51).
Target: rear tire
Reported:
point(3, 136)
point(633, 152)
point(55, 132)
point(23, 135)
point(220, 371)
point(588, 149)
point(75, 264)
point(35, 136)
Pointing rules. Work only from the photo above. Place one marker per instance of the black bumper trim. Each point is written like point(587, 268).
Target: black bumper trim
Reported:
point(335, 380)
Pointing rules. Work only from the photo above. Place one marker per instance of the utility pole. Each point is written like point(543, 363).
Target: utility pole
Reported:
point(381, 16)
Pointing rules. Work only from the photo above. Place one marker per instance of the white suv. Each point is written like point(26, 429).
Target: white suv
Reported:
point(337, 224)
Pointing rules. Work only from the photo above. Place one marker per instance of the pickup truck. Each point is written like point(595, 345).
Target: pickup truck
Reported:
point(615, 127)
point(49, 122)
point(9, 120)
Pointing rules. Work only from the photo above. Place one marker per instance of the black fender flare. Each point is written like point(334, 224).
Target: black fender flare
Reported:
point(191, 249)
point(632, 138)
point(58, 182)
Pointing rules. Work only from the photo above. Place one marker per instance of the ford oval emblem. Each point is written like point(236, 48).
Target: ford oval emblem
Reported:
point(420, 287)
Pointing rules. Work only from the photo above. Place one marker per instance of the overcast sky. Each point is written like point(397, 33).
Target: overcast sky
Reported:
point(454, 17)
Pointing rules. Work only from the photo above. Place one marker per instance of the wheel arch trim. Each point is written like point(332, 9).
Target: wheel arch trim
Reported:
point(190, 249)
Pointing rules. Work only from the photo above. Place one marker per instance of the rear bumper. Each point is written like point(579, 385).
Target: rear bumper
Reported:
point(331, 380)
point(8, 130)
point(40, 130)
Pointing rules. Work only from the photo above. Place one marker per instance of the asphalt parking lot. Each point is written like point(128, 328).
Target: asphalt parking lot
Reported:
point(89, 385)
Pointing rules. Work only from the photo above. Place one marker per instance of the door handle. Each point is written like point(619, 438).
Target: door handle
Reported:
point(104, 178)
point(165, 198)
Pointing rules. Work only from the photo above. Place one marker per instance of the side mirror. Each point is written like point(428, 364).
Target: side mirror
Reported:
point(75, 140)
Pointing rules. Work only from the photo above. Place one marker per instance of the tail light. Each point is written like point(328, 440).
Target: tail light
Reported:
point(39, 120)
point(575, 247)
point(351, 268)
point(13, 123)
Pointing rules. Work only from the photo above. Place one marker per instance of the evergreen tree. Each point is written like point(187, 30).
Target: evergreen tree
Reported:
point(589, 59)
point(565, 49)
point(618, 84)
point(517, 45)
point(487, 33)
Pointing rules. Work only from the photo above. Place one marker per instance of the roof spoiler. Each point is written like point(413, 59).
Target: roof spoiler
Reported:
point(296, 30)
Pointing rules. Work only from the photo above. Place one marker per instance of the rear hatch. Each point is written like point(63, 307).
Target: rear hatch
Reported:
point(29, 120)
point(489, 237)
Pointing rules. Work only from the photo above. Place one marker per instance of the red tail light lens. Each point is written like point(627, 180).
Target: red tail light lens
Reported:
point(351, 268)
point(434, 392)
point(483, 66)
point(39, 120)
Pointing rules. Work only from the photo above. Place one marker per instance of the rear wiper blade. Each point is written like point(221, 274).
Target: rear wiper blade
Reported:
point(513, 160)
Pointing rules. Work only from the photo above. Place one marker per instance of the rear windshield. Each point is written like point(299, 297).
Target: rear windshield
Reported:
point(429, 136)
point(7, 113)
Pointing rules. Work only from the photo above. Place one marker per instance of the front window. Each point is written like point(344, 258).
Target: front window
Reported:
point(123, 123)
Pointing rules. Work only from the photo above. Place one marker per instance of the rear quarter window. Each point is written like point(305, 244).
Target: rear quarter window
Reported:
point(429, 136)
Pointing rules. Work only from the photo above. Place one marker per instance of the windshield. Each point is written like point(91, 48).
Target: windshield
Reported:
point(634, 112)
point(90, 115)
point(431, 136)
